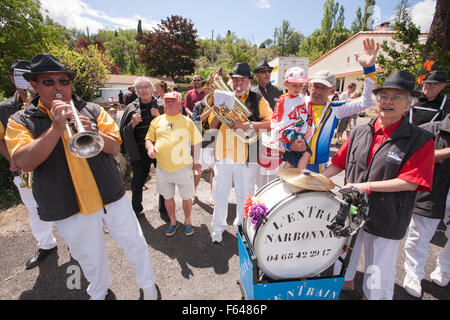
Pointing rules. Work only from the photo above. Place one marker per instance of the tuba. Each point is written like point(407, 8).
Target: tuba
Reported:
point(218, 81)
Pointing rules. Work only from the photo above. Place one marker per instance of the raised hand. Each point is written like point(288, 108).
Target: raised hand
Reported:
point(370, 52)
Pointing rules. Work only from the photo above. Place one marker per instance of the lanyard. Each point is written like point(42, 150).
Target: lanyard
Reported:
point(428, 109)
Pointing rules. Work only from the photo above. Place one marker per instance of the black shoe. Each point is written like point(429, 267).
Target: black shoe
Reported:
point(38, 257)
point(110, 295)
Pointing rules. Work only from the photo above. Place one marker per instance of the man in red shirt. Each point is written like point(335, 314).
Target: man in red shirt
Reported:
point(194, 95)
point(389, 159)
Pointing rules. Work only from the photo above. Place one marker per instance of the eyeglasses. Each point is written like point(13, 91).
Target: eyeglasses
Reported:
point(264, 71)
point(396, 98)
point(143, 87)
point(52, 82)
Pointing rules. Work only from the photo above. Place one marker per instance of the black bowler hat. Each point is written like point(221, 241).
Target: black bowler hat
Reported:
point(402, 80)
point(46, 63)
point(263, 64)
point(20, 64)
point(437, 77)
point(241, 69)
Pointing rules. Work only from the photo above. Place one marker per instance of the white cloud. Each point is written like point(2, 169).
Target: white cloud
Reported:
point(77, 14)
point(263, 4)
point(422, 14)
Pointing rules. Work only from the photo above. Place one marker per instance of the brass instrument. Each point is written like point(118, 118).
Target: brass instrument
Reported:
point(83, 144)
point(26, 178)
point(218, 81)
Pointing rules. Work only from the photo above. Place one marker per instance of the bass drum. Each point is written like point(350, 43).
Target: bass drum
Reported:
point(292, 241)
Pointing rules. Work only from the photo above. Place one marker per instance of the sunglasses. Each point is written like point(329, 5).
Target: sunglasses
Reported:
point(264, 71)
point(51, 82)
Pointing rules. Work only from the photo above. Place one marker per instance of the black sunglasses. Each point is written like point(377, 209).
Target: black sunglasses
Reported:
point(51, 82)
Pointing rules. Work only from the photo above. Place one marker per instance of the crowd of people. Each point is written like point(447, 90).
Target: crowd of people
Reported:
point(400, 159)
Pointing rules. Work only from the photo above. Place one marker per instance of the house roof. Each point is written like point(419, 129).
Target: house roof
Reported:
point(361, 33)
point(129, 79)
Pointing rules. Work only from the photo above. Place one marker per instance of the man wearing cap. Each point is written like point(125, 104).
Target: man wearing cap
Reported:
point(265, 87)
point(79, 195)
point(326, 114)
point(431, 112)
point(389, 159)
point(432, 104)
point(237, 161)
point(171, 139)
point(41, 230)
point(133, 128)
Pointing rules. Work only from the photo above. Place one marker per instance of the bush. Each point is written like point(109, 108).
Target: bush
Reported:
point(9, 196)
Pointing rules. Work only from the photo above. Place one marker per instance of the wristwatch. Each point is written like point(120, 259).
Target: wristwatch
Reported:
point(251, 125)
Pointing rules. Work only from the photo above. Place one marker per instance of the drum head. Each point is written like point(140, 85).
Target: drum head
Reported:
point(294, 241)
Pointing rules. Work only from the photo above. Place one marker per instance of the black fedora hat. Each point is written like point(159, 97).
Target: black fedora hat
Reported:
point(261, 65)
point(46, 63)
point(402, 80)
point(437, 76)
point(20, 64)
point(241, 69)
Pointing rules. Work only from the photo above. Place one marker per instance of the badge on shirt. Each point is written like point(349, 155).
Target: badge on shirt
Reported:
point(394, 158)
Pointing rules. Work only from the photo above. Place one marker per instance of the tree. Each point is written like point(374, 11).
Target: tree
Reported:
point(169, 49)
point(364, 22)
point(331, 33)
point(23, 34)
point(288, 40)
point(89, 67)
point(408, 55)
point(437, 47)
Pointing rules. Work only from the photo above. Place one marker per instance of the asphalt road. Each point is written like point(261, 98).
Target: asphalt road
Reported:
point(186, 268)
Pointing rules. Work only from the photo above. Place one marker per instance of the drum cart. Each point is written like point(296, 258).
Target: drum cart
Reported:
point(255, 286)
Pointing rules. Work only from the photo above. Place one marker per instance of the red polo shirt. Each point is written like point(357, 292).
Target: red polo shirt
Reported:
point(192, 97)
point(415, 170)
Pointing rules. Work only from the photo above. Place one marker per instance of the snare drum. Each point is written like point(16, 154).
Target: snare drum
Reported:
point(293, 240)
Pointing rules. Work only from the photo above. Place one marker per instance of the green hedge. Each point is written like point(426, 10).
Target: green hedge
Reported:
point(9, 196)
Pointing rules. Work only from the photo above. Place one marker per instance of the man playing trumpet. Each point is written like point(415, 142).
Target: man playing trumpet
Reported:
point(79, 195)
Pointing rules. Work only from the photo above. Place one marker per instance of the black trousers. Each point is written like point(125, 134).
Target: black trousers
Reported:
point(141, 169)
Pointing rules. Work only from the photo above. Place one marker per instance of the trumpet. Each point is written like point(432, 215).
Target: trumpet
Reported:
point(83, 144)
point(218, 81)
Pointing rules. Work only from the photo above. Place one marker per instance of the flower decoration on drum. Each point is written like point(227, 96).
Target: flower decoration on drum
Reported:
point(255, 210)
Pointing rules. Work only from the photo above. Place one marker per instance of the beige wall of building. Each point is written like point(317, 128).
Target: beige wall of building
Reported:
point(341, 60)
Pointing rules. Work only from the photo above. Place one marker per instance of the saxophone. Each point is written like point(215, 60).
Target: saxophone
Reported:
point(26, 178)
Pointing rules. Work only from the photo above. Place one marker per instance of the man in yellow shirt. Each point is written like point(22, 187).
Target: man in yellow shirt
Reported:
point(79, 195)
point(236, 161)
point(169, 140)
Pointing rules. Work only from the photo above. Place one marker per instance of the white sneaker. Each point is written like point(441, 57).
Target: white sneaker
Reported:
point(412, 286)
point(440, 278)
point(150, 294)
point(216, 237)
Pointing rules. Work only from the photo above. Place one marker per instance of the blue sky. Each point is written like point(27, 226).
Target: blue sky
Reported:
point(254, 20)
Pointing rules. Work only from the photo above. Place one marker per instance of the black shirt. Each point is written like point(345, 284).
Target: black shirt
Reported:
point(140, 131)
point(425, 116)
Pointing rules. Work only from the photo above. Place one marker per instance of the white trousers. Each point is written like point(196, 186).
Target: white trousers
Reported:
point(84, 236)
point(264, 176)
point(227, 173)
point(421, 231)
point(380, 256)
point(41, 230)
